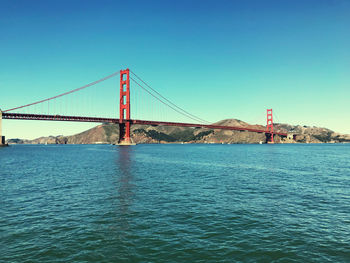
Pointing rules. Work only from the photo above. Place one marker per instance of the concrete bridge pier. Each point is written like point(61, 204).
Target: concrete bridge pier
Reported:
point(124, 134)
point(2, 138)
point(269, 138)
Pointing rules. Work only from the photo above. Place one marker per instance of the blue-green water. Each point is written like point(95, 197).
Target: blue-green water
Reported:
point(175, 203)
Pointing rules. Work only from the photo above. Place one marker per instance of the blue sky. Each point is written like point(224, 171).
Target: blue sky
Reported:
point(216, 59)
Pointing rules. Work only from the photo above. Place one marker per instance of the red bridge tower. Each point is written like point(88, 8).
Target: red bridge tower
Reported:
point(269, 126)
point(124, 109)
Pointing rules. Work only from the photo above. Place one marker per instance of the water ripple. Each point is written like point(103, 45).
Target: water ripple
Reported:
point(175, 203)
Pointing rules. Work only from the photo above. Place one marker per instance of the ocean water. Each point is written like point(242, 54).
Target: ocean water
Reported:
point(175, 203)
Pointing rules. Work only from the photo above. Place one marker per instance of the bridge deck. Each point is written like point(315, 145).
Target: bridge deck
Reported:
point(24, 116)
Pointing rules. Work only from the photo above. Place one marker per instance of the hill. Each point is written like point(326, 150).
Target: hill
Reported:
point(109, 133)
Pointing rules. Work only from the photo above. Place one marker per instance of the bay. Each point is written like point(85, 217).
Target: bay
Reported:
point(175, 203)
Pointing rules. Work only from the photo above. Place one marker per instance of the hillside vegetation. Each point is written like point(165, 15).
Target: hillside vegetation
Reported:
point(109, 133)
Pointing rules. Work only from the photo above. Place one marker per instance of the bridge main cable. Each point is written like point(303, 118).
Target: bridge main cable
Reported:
point(172, 105)
point(166, 104)
point(66, 93)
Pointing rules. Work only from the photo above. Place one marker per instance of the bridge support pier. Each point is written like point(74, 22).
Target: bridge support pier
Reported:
point(2, 138)
point(269, 138)
point(124, 134)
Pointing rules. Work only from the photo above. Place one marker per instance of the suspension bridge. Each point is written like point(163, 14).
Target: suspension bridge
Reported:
point(57, 108)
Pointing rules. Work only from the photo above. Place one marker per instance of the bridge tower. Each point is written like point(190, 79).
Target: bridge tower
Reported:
point(269, 126)
point(124, 109)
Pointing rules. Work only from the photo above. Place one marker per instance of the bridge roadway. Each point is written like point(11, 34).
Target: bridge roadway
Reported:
point(25, 116)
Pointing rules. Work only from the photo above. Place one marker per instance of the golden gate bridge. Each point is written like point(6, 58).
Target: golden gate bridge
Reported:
point(125, 120)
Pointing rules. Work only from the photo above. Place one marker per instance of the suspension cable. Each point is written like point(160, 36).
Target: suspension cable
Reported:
point(174, 105)
point(66, 93)
point(163, 101)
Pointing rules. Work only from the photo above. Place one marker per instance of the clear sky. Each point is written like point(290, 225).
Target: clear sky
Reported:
point(217, 59)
